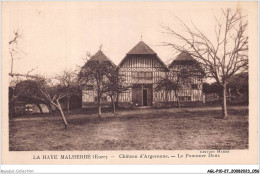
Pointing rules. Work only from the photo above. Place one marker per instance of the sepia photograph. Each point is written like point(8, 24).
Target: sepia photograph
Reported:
point(123, 77)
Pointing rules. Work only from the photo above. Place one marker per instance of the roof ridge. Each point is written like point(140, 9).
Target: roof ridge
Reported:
point(151, 52)
point(141, 48)
point(100, 56)
point(184, 56)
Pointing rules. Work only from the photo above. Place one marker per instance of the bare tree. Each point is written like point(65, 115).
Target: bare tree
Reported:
point(180, 79)
point(223, 55)
point(114, 85)
point(183, 80)
point(15, 53)
point(167, 85)
point(26, 91)
point(13, 50)
point(95, 73)
point(45, 90)
point(53, 92)
point(68, 80)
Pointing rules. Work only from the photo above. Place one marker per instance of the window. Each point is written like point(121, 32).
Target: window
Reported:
point(142, 75)
point(148, 75)
point(194, 86)
point(89, 87)
point(134, 75)
point(185, 98)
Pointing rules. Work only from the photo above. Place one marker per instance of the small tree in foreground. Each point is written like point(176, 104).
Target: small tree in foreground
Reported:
point(68, 81)
point(168, 85)
point(178, 80)
point(95, 73)
point(223, 54)
point(27, 92)
point(53, 93)
point(45, 90)
point(114, 86)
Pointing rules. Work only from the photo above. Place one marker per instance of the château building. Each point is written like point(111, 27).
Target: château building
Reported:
point(142, 69)
point(89, 92)
point(192, 90)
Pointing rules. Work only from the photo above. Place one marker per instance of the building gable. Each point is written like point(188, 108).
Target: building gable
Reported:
point(101, 58)
point(142, 61)
point(185, 60)
point(142, 56)
point(141, 48)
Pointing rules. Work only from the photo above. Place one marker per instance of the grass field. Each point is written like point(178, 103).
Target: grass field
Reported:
point(142, 129)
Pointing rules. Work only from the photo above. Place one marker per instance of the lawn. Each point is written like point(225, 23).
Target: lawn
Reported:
point(141, 129)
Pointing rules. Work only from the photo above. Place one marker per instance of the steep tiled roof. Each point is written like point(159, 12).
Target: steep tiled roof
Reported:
point(100, 57)
point(141, 48)
point(183, 58)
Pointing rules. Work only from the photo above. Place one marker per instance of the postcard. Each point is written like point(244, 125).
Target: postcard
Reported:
point(129, 82)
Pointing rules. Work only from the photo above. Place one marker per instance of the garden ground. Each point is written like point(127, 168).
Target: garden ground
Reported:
point(138, 129)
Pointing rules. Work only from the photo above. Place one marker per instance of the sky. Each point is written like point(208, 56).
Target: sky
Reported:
point(57, 35)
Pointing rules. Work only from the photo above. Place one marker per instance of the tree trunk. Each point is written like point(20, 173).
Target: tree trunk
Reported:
point(117, 98)
point(62, 114)
point(40, 108)
point(229, 92)
point(224, 102)
point(68, 105)
point(49, 108)
point(167, 100)
point(177, 99)
point(178, 102)
point(113, 104)
point(99, 105)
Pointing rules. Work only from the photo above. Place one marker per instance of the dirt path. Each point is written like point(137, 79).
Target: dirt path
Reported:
point(122, 113)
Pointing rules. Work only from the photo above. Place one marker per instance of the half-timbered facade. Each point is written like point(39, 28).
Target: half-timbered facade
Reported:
point(191, 88)
point(142, 69)
point(89, 91)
